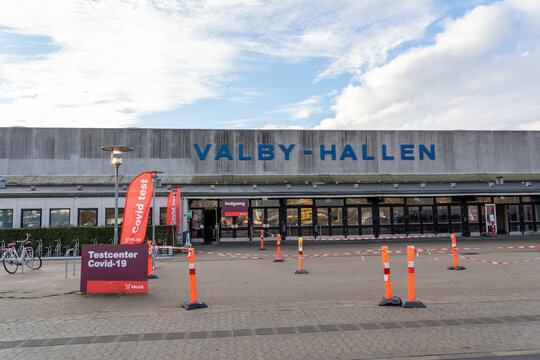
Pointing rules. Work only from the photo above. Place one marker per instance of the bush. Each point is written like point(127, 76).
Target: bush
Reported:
point(85, 234)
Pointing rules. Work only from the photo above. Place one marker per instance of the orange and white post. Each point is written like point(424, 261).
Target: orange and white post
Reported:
point(411, 301)
point(300, 258)
point(454, 251)
point(193, 303)
point(151, 261)
point(262, 241)
point(278, 258)
point(388, 300)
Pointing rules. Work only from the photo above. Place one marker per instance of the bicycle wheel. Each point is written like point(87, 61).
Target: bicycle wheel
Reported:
point(11, 263)
point(28, 253)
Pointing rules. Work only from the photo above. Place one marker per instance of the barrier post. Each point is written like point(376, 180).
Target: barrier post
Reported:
point(454, 251)
point(493, 228)
point(262, 240)
point(411, 301)
point(389, 299)
point(278, 258)
point(193, 303)
point(151, 261)
point(300, 258)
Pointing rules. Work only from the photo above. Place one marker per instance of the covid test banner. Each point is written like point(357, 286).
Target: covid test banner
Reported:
point(114, 268)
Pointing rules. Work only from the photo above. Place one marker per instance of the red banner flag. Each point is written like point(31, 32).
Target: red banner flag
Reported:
point(171, 210)
point(137, 208)
point(178, 207)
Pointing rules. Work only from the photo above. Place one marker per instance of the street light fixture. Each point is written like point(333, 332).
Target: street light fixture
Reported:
point(116, 160)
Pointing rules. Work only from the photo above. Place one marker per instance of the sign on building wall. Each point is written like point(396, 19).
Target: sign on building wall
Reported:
point(235, 207)
point(114, 268)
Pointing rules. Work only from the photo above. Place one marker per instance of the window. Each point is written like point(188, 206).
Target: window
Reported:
point(109, 216)
point(352, 216)
point(59, 217)
point(420, 200)
point(392, 200)
point(264, 202)
point(88, 217)
point(6, 218)
point(329, 202)
point(398, 215)
point(506, 199)
point(273, 217)
point(30, 218)
point(201, 203)
point(299, 202)
point(162, 215)
point(444, 200)
point(337, 216)
point(353, 201)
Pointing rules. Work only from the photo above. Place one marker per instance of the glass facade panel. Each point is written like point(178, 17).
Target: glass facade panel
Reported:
point(292, 217)
point(414, 215)
point(473, 214)
point(242, 221)
point(264, 202)
point(354, 201)
point(30, 218)
point(455, 213)
point(513, 213)
point(273, 217)
point(505, 199)
point(427, 215)
point(322, 216)
point(399, 218)
point(299, 202)
point(196, 222)
point(420, 200)
point(442, 212)
point(109, 216)
point(226, 221)
point(203, 203)
point(392, 200)
point(384, 215)
point(528, 213)
point(337, 216)
point(537, 213)
point(329, 202)
point(483, 199)
point(352, 216)
point(386, 230)
point(258, 217)
point(367, 216)
point(6, 218)
point(443, 200)
point(307, 216)
point(59, 217)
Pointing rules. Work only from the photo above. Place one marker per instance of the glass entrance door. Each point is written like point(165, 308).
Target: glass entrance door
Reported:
point(300, 221)
point(234, 226)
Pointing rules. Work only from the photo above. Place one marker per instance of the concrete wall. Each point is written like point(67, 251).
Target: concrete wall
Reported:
point(75, 153)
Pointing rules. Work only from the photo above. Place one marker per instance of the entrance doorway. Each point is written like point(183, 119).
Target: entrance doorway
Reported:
point(209, 225)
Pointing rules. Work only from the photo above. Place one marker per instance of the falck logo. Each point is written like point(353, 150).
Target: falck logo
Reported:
point(128, 286)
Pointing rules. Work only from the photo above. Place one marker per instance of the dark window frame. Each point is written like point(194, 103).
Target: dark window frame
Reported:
point(79, 216)
point(40, 216)
point(11, 218)
point(50, 216)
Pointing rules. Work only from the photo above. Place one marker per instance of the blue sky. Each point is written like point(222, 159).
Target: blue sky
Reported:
point(317, 64)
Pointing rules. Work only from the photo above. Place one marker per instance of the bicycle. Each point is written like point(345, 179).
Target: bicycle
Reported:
point(11, 258)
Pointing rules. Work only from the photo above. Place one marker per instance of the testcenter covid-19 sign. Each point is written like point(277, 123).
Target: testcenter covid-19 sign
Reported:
point(114, 268)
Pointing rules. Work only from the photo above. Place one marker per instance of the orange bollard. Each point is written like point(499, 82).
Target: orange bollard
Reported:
point(279, 259)
point(411, 301)
point(193, 303)
point(151, 261)
point(493, 228)
point(454, 251)
point(262, 240)
point(300, 258)
point(389, 300)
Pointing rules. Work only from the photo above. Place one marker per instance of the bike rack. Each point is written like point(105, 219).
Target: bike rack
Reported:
point(2, 246)
point(49, 251)
point(67, 261)
point(39, 248)
point(58, 248)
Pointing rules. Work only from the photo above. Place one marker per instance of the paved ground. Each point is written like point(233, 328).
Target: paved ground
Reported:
point(259, 309)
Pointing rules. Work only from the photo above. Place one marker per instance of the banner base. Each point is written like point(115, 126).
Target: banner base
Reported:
point(195, 305)
point(413, 304)
point(301, 272)
point(279, 260)
point(394, 301)
point(456, 268)
point(152, 276)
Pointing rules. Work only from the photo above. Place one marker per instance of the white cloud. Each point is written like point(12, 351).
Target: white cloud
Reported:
point(303, 109)
point(481, 73)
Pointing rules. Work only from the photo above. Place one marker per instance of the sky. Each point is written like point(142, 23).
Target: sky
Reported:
point(286, 64)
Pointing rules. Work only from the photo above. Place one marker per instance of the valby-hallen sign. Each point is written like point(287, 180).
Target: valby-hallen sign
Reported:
point(235, 207)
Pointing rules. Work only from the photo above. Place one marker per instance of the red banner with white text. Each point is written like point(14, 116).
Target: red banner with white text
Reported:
point(171, 210)
point(137, 208)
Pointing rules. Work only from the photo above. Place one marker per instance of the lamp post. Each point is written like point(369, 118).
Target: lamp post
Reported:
point(116, 160)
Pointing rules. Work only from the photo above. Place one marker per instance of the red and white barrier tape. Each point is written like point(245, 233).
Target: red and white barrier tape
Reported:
point(381, 237)
point(493, 262)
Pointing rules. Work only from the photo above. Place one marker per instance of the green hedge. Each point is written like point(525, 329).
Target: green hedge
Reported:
point(85, 234)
